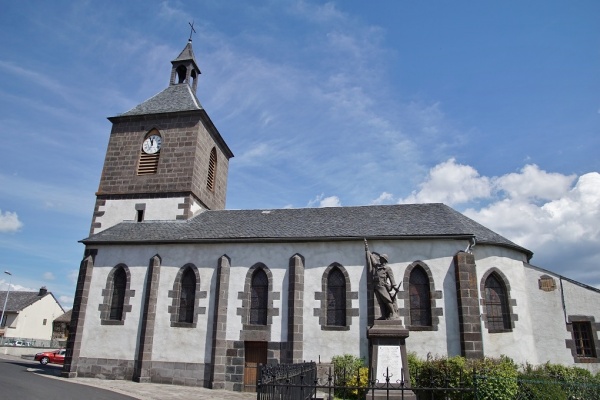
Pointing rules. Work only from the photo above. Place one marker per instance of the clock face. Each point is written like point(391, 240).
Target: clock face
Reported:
point(152, 144)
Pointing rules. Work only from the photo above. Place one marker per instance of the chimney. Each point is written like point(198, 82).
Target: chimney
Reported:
point(43, 291)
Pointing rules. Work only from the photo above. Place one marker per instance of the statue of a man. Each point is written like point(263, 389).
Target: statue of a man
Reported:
point(384, 284)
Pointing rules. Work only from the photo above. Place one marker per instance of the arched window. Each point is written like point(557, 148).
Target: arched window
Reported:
point(212, 170)
point(420, 298)
point(336, 298)
point(187, 297)
point(118, 295)
point(496, 304)
point(259, 297)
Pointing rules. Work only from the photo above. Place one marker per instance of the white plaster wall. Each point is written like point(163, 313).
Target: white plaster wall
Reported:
point(176, 344)
point(194, 344)
point(548, 322)
point(520, 343)
point(540, 331)
point(438, 256)
point(276, 258)
point(114, 341)
point(195, 207)
point(116, 211)
point(323, 344)
point(584, 302)
point(529, 341)
point(29, 323)
point(439, 259)
point(581, 301)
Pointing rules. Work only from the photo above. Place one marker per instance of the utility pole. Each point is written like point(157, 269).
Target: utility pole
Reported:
point(5, 301)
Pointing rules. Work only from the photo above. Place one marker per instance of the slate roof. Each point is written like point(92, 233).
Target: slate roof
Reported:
point(18, 300)
point(403, 221)
point(186, 54)
point(66, 317)
point(174, 98)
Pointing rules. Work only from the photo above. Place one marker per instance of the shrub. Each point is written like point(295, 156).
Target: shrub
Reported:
point(456, 372)
point(349, 370)
point(359, 380)
point(572, 383)
point(500, 378)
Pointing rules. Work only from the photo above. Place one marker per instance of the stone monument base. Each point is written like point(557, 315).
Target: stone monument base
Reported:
point(388, 362)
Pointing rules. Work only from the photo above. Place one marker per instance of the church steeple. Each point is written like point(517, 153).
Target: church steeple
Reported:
point(185, 69)
point(165, 159)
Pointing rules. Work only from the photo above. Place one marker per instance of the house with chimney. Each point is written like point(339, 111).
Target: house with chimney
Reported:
point(29, 316)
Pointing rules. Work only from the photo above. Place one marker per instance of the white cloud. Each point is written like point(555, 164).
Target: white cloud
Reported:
point(34, 76)
point(73, 275)
point(49, 276)
point(384, 198)
point(571, 219)
point(556, 216)
point(15, 287)
point(564, 233)
point(321, 201)
point(66, 302)
point(172, 13)
point(533, 183)
point(321, 13)
point(451, 183)
point(255, 154)
point(331, 201)
point(9, 222)
point(66, 199)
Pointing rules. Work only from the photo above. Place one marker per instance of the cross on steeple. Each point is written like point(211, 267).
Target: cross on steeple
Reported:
point(192, 31)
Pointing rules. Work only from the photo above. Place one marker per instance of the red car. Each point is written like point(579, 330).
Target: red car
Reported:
point(55, 357)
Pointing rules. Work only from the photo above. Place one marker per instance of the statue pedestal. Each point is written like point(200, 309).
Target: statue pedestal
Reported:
point(387, 354)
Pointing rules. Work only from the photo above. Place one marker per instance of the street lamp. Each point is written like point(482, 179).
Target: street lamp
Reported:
point(5, 300)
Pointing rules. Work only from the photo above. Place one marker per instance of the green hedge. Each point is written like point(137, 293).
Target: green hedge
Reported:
point(495, 378)
point(557, 382)
point(500, 379)
point(457, 372)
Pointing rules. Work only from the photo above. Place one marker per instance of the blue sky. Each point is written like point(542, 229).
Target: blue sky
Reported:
point(490, 107)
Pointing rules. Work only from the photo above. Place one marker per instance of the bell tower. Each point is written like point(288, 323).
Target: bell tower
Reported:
point(185, 69)
point(165, 159)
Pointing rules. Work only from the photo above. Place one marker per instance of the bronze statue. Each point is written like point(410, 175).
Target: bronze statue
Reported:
point(384, 284)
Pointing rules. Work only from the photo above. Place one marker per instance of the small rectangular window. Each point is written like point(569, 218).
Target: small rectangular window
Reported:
point(140, 215)
point(584, 343)
point(45, 320)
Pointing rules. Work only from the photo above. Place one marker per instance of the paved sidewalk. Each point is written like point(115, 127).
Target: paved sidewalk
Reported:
point(142, 391)
point(155, 391)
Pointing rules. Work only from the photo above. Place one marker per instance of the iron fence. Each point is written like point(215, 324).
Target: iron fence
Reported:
point(29, 342)
point(301, 382)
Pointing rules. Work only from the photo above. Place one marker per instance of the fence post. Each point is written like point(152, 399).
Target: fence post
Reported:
point(258, 383)
point(475, 378)
point(329, 378)
point(387, 383)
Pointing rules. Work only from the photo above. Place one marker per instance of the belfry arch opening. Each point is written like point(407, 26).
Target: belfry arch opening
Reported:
point(181, 73)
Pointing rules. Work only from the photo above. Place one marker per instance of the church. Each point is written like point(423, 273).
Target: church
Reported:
point(173, 288)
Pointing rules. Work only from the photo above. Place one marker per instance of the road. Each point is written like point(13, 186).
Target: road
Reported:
point(18, 380)
point(21, 379)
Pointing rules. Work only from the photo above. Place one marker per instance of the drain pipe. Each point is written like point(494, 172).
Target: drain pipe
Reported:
point(562, 298)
